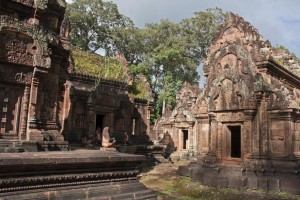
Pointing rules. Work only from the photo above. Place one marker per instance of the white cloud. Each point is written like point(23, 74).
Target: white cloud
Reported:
point(276, 20)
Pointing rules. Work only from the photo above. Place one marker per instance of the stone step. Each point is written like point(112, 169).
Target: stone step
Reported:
point(11, 150)
point(11, 146)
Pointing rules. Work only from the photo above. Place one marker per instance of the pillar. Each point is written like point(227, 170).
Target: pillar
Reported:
point(25, 103)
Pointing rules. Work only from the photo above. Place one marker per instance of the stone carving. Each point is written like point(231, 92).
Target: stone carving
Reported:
point(12, 75)
point(230, 117)
point(247, 114)
point(106, 140)
point(23, 78)
point(65, 28)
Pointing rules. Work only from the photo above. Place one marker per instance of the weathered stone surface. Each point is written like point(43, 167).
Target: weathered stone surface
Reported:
point(43, 99)
point(82, 174)
point(244, 123)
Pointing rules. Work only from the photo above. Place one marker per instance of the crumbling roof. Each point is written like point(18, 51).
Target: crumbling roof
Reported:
point(97, 65)
point(262, 49)
point(289, 61)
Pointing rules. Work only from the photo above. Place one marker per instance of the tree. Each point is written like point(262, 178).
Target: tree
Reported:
point(201, 30)
point(173, 51)
point(167, 53)
point(93, 24)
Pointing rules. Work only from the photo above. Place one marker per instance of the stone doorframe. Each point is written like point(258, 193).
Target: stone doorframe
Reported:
point(228, 152)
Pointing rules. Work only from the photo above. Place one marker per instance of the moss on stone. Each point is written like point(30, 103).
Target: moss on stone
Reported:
point(94, 64)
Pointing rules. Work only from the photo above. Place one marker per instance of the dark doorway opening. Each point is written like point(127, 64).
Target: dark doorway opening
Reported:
point(185, 138)
point(235, 141)
point(99, 122)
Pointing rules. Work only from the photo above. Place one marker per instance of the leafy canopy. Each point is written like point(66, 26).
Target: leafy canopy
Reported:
point(167, 53)
point(94, 23)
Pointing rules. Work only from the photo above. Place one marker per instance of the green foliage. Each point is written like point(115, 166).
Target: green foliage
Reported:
point(167, 53)
point(94, 23)
point(185, 188)
point(173, 51)
point(139, 89)
point(94, 64)
point(202, 29)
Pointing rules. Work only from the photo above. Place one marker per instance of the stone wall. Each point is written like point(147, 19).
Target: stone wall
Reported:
point(246, 117)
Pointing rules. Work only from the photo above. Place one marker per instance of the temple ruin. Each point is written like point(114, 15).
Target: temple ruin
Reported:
point(244, 124)
point(44, 101)
point(46, 106)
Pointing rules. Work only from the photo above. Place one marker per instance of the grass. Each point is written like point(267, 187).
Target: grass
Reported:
point(170, 186)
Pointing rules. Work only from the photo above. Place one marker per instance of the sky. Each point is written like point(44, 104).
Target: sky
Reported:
point(276, 20)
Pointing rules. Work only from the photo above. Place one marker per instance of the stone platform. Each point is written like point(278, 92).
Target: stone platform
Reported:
point(266, 175)
point(80, 174)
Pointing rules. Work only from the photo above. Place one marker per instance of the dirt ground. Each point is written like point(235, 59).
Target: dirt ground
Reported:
point(165, 181)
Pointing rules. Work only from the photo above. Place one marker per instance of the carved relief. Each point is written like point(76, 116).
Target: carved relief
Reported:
point(15, 51)
point(26, 2)
point(11, 74)
point(23, 78)
point(203, 107)
point(230, 117)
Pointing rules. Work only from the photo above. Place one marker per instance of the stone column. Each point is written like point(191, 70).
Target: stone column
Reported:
point(33, 110)
point(248, 133)
point(180, 139)
point(256, 139)
point(213, 135)
point(296, 138)
point(25, 103)
point(149, 107)
point(90, 116)
point(219, 141)
point(133, 126)
point(191, 137)
point(196, 137)
point(33, 133)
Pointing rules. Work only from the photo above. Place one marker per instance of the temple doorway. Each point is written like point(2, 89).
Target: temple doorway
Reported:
point(235, 138)
point(99, 121)
point(185, 139)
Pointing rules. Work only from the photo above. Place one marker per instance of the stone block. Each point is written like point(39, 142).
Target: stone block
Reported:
point(237, 182)
point(252, 182)
point(291, 185)
point(274, 184)
point(263, 183)
point(208, 179)
point(220, 181)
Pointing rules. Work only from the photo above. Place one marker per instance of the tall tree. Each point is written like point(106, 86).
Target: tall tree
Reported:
point(167, 53)
point(173, 51)
point(94, 23)
point(201, 30)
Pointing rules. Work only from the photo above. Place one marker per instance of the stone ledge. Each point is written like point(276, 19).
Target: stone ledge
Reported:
point(86, 174)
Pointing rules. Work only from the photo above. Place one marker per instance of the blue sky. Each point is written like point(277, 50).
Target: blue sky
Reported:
point(276, 20)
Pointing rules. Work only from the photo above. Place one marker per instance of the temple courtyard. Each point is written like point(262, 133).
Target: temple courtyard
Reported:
point(165, 180)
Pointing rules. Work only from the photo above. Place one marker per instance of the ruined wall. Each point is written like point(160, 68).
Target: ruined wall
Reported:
point(248, 114)
point(33, 60)
point(106, 104)
point(249, 94)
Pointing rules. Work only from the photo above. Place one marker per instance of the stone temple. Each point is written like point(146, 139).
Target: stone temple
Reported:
point(244, 125)
point(44, 102)
point(45, 106)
